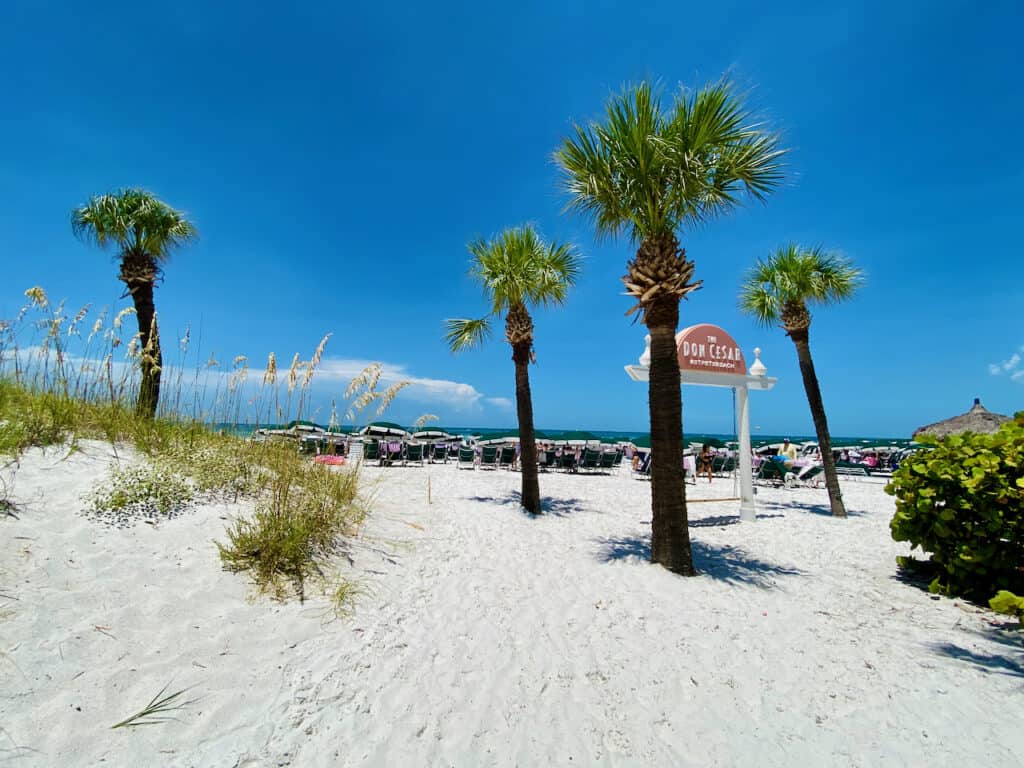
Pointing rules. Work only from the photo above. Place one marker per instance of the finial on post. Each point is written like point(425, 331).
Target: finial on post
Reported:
point(758, 368)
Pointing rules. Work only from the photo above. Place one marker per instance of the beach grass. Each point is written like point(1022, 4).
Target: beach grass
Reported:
point(299, 511)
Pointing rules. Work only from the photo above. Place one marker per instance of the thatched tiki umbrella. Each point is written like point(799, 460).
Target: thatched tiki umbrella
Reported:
point(978, 419)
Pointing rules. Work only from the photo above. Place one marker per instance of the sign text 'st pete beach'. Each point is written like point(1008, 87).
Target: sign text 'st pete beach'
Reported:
point(708, 348)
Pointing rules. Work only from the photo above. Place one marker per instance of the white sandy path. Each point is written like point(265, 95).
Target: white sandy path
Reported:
point(488, 638)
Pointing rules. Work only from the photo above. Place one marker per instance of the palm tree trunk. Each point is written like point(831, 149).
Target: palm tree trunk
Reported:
point(151, 362)
point(670, 533)
point(527, 442)
point(803, 353)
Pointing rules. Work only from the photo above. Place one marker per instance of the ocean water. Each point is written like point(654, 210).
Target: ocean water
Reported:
point(614, 436)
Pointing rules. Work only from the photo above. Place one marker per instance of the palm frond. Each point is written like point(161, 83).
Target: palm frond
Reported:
point(651, 171)
point(465, 333)
point(794, 274)
point(135, 221)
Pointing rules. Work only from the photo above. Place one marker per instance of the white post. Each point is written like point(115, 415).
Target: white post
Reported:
point(747, 512)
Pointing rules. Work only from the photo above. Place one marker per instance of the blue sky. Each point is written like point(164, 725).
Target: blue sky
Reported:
point(337, 158)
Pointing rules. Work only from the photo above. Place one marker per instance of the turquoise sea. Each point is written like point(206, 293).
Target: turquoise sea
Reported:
point(614, 436)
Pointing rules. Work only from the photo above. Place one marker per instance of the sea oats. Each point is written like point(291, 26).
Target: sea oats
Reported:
point(293, 373)
point(122, 315)
point(270, 374)
point(37, 296)
point(73, 328)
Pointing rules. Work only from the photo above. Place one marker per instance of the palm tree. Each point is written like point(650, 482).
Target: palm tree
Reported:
point(144, 230)
point(651, 173)
point(517, 270)
point(778, 290)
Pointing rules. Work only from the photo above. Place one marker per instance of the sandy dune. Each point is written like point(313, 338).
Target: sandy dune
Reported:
point(485, 638)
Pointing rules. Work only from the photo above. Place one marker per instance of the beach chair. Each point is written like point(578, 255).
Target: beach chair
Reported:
point(507, 457)
point(771, 473)
point(467, 458)
point(811, 476)
point(591, 461)
point(547, 460)
point(371, 451)
point(439, 452)
point(723, 465)
point(643, 472)
point(414, 454)
point(567, 461)
point(607, 461)
point(617, 461)
point(852, 469)
point(393, 453)
point(489, 457)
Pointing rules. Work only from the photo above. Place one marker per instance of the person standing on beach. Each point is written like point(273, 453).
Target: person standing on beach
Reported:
point(705, 461)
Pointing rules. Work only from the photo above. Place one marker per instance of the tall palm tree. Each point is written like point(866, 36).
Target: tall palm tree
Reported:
point(650, 173)
point(144, 230)
point(517, 270)
point(778, 290)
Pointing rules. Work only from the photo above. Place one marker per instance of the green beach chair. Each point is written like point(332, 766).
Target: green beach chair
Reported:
point(439, 452)
point(467, 458)
point(591, 461)
point(607, 461)
point(414, 454)
point(507, 457)
point(371, 451)
point(489, 457)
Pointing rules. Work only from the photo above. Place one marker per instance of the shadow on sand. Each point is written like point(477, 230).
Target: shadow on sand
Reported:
point(717, 521)
point(803, 506)
point(724, 562)
point(1010, 662)
point(548, 505)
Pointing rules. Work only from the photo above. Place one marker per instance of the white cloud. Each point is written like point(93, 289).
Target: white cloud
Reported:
point(501, 402)
point(1017, 376)
point(1007, 365)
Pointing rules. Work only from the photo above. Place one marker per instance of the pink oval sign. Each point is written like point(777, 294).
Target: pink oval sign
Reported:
point(708, 348)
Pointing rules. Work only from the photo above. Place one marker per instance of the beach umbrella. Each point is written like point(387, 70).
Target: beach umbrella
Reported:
point(434, 434)
point(577, 437)
point(978, 419)
point(384, 429)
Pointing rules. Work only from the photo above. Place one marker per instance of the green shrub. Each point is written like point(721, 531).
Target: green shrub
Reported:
point(963, 503)
point(1008, 603)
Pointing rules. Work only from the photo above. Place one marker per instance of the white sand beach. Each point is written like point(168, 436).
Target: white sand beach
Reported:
point(487, 638)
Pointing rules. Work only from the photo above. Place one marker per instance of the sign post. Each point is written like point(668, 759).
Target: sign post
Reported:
point(710, 357)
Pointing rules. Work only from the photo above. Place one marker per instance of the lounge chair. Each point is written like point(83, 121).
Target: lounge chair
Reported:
point(371, 451)
point(547, 460)
point(439, 452)
point(608, 461)
point(591, 460)
point(467, 458)
point(723, 465)
point(771, 472)
point(852, 469)
point(414, 453)
point(811, 476)
point(507, 457)
point(489, 457)
point(392, 453)
point(643, 472)
point(567, 461)
point(617, 461)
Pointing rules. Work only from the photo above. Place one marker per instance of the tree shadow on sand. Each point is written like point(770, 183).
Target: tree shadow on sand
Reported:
point(718, 521)
point(548, 505)
point(802, 506)
point(1010, 662)
point(723, 562)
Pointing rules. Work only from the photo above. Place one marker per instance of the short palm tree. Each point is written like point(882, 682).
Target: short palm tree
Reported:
point(144, 230)
point(517, 270)
point(650, 173)
point(777, 290)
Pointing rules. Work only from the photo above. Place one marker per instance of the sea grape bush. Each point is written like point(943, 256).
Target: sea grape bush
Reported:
point(963, 503)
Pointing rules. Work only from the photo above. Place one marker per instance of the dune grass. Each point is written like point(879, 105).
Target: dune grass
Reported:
point(300, 511)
